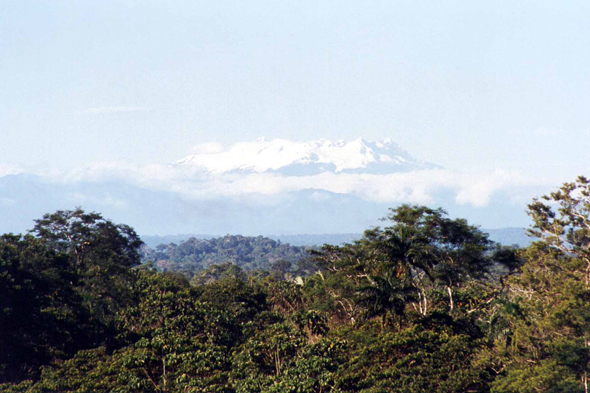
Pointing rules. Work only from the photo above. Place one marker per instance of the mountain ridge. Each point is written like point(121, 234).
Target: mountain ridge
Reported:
point(304, 158)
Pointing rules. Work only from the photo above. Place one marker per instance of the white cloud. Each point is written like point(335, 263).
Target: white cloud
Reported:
point(109, 110)
point(420, 187)
point(7, 169)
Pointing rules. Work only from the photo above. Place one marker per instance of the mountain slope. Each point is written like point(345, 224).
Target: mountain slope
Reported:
point(305, 158)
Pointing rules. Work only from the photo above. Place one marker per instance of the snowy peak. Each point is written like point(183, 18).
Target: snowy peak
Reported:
point(303, 158)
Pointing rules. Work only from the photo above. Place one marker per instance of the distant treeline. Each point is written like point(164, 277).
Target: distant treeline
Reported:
point(194, 254)
point(249, 253)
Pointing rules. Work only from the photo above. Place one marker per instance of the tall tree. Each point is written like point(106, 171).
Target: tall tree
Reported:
point(41, 316)
point(433, 249)
point(550, 341)
point(562, 220)
point(100, 252)
point(88, 237)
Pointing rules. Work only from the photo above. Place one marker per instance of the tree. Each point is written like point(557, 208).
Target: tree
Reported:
point(88, 237)
point(262, 360)
point(550, 345)
point(387, 296)
point(100, 254)
point(422, 256)
point(432, 247)
point(433, 360)
point(563, 220)
point(172, 342)
point(548, 314)
point(41, 316)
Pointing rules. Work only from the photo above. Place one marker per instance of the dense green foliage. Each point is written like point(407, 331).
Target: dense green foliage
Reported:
point(249, 253)
point(425, 304)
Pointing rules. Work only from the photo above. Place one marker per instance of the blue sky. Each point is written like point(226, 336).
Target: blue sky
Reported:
point(473, 86)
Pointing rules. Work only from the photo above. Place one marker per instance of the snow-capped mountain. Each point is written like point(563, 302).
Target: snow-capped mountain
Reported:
point(266, 187)
point(304, 158)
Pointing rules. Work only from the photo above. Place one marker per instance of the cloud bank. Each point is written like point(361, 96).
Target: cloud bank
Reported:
point(420, 187)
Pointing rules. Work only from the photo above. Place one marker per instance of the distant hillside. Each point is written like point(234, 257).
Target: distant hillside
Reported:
point(249, 253)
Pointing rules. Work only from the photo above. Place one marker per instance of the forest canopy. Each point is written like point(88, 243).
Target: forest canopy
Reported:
point(426, 303)
point(249, 253)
